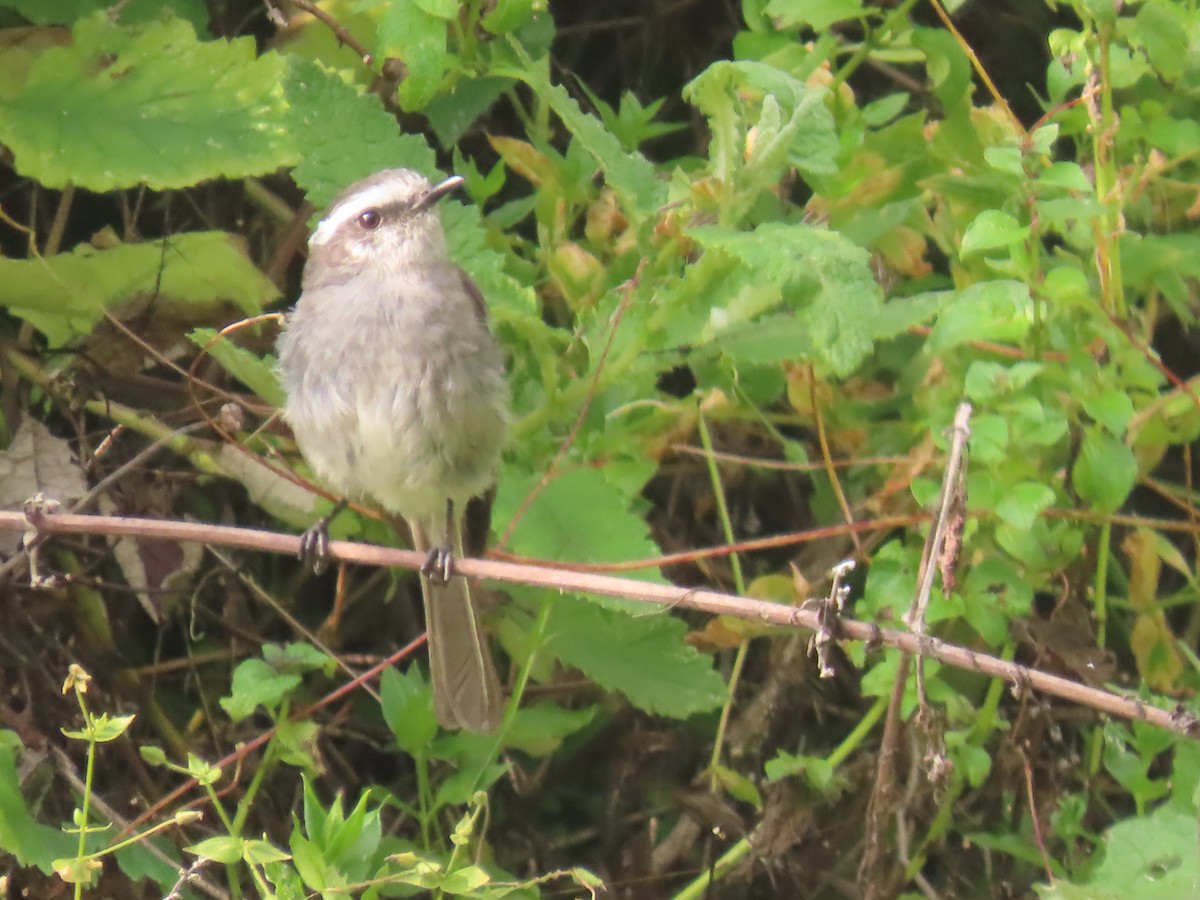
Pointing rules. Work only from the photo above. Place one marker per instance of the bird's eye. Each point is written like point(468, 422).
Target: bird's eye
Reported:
point(370, 219)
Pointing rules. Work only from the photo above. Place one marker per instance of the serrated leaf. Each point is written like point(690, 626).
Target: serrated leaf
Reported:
point(63, 296)
point(643, 657)
point(630, 174)
point(147, 104)
point(1105, 471)
point(346, 133)
point(838, 317)
point(579, 516)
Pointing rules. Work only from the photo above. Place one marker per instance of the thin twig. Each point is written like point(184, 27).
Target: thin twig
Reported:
point(1177, 720)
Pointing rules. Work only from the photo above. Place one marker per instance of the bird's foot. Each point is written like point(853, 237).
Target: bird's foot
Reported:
point(439, 565)
point(314, 546)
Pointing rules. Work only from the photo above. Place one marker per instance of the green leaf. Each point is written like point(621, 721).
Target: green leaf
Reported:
point(505, 16)
point(1023, 503)
point(452, 113)
point(135, 12)
point(414, 34)
point(1149, 857)
point(579, 516)
point(763, 121)
point(252, 370)
point(630, 174)
point(1160, 29)
point(1105, 471)
point(821, 273)
point(22, 836)
point(255, 684)
point(540, 729)
point(1113, 409)
point(192, 276)
point(259, 853)
point(989, 310)
point(407, 705)
point(643, 657)
point(816, 14)
point(108, 728)
point(298, 657)
point(991, 230)
point(224, 849)
point(346, 133)
point(150, 105)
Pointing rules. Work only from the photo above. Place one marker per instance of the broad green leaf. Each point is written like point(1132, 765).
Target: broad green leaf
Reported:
point(193, 276)
point(992, 230)
point(407, 705)
point(827, 278)
point(1113, 409)
point(1105, 471)
point(412, 32)
point(1145, 858)
point(540, 729)
point(149, 104)
point(987, 311)
point(816, 14)
point(135, 12)
point(22, 836)
point(1161, 30)
point(505, 16)
point(578, 516)
point(1067, 175)
point(452, 113)
point(642, 656)
point(255, 683)
point(1023, 503)
point(345, 133)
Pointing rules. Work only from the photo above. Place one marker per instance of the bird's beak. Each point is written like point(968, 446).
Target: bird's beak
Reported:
point(439, 190)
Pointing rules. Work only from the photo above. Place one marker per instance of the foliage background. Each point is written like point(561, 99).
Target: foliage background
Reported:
point(746, 259)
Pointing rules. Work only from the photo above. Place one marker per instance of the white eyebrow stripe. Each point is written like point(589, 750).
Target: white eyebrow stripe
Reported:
point(376, 195)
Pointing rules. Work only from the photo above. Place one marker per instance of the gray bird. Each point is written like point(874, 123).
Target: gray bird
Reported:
point(396, 394)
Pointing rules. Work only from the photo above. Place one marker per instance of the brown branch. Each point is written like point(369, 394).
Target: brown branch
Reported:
point(715, 602)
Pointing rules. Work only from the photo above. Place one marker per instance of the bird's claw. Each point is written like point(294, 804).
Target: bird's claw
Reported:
point(439, 565)
point(314, 546)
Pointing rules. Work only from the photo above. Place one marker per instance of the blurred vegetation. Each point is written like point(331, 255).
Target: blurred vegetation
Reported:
point(746, 259)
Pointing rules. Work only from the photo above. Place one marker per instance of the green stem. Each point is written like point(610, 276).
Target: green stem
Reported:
point(739, 581)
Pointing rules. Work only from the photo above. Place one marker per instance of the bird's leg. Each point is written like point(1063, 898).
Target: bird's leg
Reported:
point(314, 543)
point(439, 565)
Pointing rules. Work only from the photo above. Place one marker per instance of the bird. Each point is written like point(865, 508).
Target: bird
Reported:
point(397, 395)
